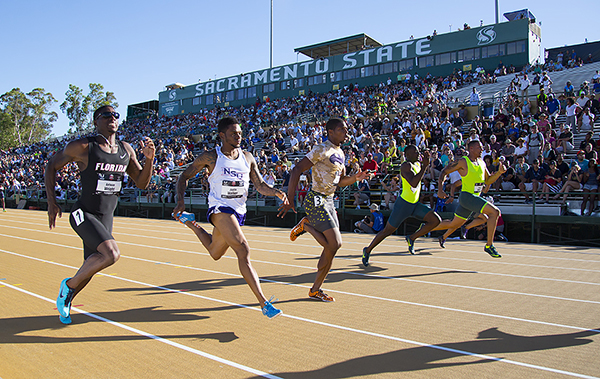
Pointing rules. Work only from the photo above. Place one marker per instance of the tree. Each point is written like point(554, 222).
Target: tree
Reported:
point(16, 104)
point(79, 108)
point(30, 114)
point(72, 107)
point(42, 117)
point(7, 131)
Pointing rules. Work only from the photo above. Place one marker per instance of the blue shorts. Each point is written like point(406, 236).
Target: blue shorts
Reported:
point(403, 210)
point(241, 218)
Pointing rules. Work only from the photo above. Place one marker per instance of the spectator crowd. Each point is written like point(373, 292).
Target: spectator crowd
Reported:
point(533, 138)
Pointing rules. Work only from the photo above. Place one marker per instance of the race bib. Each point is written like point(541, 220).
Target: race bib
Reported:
point(336, 180)
point(319, 201)
point(108, 186)
point(478, 187)
point(78, 216)
point(232, 189)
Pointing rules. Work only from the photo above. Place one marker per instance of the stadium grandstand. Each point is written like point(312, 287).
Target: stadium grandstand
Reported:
point(489, 83)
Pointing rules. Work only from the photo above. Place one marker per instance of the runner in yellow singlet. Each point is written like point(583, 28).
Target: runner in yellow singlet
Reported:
point(408, 205)
point(475, 177)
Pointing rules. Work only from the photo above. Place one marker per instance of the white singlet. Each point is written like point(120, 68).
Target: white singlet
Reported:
point(229, 182)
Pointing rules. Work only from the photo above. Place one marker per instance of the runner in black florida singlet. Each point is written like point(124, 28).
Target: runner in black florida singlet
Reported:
point(103, 161)
point(101, 181)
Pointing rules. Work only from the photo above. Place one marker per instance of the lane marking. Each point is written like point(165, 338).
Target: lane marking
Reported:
point(305, 286)
point(263, 374)
point(383, 244)
point(156, 338)
point(343, 272)
point(350, 259)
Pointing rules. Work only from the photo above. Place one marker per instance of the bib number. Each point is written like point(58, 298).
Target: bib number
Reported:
point(108, 186)
point(478, 187)
point(336, 179)
point(319, 202)
point(78, 217)
point(232, 189)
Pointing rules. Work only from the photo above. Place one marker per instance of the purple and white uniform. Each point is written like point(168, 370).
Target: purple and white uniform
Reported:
point(229, 182)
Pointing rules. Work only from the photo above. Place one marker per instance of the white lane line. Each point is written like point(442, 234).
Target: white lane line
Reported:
point(156, 338)
point(346, 250)
point(359, 331)
point(306, 286)
point(337, 272)
point(169, 225)
point(353, 259)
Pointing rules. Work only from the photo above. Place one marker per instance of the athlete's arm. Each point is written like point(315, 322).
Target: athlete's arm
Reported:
point(415, 179)
point(206, 159)
point(141, 175)
point(490, 179)
point(459, 165)
point(351, 179)
point(75, 151)
point(304, 165)
point(260, 185)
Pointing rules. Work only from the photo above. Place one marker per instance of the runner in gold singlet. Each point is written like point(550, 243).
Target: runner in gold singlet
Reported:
point(328, 173)
point(475, 177)
point(408, 205)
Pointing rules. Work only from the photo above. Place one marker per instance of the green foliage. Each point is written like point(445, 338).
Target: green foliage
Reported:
point(79, 108)
point(29, 114)
point(7, 135)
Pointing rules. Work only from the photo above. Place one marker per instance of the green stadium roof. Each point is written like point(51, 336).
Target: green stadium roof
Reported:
point(338, 46)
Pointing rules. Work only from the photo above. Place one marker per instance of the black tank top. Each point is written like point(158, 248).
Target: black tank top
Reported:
point(102, 179)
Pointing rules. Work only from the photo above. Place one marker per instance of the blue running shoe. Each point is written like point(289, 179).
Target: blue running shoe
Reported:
point(411, 245)
point(491, 250)
point(65, 320)
point(185, 216)
point(269, 310)
point(463, 232)
point(365, 257)
point(63, 302)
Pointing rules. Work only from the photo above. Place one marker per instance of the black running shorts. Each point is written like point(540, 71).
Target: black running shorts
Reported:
point(92, 228)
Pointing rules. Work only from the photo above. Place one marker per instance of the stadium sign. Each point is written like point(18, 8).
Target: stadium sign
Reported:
point(413, 49)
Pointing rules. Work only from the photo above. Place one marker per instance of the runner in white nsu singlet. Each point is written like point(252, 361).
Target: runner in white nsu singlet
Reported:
point(230, 170)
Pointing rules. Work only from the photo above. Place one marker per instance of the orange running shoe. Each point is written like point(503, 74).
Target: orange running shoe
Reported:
point(320, 295)
point(298, 230)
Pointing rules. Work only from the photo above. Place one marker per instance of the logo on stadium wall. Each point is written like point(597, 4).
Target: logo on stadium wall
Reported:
point(172, 95)
point(486, 35)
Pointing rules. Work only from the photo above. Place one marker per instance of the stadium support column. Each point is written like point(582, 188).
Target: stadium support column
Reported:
point(271, 34)
point(496, 11)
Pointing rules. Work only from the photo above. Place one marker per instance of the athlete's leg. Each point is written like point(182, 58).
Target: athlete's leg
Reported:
point(215, 245)
point(334, 243)
point(319, 237)
point(107, 253)
point(232, 235)
point(383, 234)
point(432, 220)
point(450, 226)
point(479, 220)
point(493, 213)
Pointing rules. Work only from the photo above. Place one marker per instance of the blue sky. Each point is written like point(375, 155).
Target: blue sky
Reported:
point(135, 48)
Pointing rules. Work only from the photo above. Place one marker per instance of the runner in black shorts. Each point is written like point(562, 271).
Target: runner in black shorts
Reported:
point(407, 204)
point(102, 161)
point(2, 196)
point(328, 173)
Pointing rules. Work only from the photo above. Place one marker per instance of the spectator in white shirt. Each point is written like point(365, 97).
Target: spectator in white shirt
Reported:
point(474, 97)
point(586, 121)
point(524, 84)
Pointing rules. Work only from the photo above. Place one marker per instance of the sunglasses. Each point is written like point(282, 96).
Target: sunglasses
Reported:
point(109, 114)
